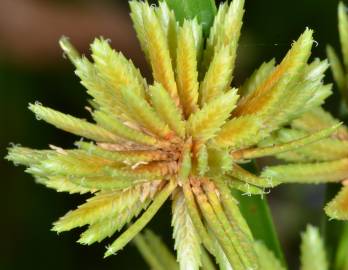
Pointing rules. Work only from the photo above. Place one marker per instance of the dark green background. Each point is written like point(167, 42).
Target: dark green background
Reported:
point(28, 209)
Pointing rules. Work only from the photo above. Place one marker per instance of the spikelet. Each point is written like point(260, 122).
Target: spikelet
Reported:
point(73, 163)
point(204, 124)
point(107, 226)
point(303, 142)
point(322, 150)
point(114, 68)
point(266, 257)
point(306, 94)
point(186, 66)
point(123, 156)
point(274, 89)
point(62, 184)
point(330, 171)
point(136, 227)
point(97, 208)
point(166, 109)
point(312, 246)
point(317, 119)
point(72, 124)
point(158, 50)
point(219, 161)
point(257, 78)
point(140, 110)
point(98, 88)
point(202, 160)
point(338, 207)
point(187, 242)
point(239, 132)
point(225, 32)
point(216, 31)
point(239, 173)
point(26, 156)
point(138, 24)
point(218, 77)
point(120, 129)
point(169, 26)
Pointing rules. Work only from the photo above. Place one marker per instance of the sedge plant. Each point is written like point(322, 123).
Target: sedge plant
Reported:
point(183, 137)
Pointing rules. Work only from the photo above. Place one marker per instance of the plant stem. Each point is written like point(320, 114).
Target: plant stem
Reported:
point(333, 231)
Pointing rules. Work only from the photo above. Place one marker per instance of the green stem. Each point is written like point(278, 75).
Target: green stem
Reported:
point(332, 230)
point(341, 259)
point(147, 253)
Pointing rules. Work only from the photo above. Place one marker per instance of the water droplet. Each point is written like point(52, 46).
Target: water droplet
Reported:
point(64, 55)
point(38, 103)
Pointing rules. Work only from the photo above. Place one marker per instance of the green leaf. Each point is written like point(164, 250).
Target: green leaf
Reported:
point(313, 254)
point(204, 10)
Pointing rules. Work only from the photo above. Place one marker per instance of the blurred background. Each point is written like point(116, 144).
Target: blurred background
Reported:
point(32, 68)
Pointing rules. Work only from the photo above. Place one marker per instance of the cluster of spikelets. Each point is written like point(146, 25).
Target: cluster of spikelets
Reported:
point(183, 137)
point(327, 160)
point(313, 254)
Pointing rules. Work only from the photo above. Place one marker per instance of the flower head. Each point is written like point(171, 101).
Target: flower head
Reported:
point(184, 136)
